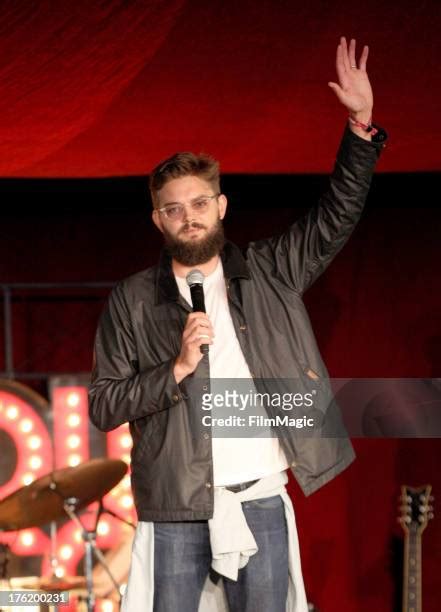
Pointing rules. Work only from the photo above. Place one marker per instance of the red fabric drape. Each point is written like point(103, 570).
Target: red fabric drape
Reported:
point(108, 88)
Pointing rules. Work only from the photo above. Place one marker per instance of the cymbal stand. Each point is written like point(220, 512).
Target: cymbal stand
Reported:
point(89, 538)
point(105, 510)
point(53, 559)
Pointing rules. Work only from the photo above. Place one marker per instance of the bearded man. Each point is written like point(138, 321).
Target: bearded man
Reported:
point(214, 510)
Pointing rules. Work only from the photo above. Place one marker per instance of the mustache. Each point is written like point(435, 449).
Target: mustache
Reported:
point(194, 224)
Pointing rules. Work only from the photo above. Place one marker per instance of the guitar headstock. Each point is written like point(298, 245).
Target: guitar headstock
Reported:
point(416, 509)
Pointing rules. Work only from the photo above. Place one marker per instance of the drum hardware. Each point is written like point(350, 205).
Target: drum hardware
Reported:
point(64, 492)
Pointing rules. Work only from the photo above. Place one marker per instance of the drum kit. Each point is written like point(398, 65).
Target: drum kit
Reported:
point(63, 493)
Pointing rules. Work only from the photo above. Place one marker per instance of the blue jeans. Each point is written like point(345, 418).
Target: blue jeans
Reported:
point(183, 559)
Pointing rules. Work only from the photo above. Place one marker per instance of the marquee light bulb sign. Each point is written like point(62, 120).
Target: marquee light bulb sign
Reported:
point(38, 452)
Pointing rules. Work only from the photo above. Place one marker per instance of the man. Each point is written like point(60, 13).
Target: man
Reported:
point(212, 504)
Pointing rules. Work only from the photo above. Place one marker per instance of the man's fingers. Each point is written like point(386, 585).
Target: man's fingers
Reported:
point(198, 319)
point(363, 58)
point(338, 90)
point(345, 56)
point(196, 339)
point(197, 331)
point(339, 65)
point(197, 315)
point(352, 60)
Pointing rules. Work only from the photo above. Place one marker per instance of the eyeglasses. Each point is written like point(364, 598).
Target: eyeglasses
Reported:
point(175, 211)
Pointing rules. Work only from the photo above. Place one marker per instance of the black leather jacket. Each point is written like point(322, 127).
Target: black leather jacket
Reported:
point(139, 337)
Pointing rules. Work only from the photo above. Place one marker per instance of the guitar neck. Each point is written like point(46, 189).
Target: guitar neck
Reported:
point(412, 599)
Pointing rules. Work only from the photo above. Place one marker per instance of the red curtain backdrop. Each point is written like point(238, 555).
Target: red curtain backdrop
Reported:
point(108, 88)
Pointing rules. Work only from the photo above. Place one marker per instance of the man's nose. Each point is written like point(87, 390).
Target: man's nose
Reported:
point(188, 214)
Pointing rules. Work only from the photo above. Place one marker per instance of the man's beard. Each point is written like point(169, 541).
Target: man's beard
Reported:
point(193, 253)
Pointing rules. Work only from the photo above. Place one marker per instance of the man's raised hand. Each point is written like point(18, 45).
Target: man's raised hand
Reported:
point(353, 89)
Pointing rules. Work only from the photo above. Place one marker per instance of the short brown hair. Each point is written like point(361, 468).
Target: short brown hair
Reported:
point(184, 164)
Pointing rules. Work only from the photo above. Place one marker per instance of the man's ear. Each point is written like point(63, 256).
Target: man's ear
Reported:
point(222, 205)
point(157, 220)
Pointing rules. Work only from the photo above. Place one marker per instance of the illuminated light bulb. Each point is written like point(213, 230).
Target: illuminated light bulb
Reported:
point(107, 605)
point(73, 441)
point(27, 538)
point(26, 425)
point(27, 479)
point(125, 483)
point(60, 571)
point(103, 528)
point(122, 588)
point(73, 399)
point(73, 420)
point(77, 536)
point(126, 501)
point(66, 552)
point(35, 462)
point(34, 442)
point(126, 457)
point(74, 460)
point(126, 441)
point(12, 412)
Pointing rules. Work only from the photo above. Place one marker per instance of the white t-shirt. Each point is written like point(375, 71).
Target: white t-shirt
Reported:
point(234, 459)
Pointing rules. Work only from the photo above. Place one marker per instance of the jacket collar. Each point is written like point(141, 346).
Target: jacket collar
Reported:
point(166, 289)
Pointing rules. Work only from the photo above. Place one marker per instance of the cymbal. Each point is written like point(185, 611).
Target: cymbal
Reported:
point(42, 501)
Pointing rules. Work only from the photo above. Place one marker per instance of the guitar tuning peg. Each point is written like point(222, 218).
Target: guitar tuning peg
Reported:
point(431, 498)
point(430, 515)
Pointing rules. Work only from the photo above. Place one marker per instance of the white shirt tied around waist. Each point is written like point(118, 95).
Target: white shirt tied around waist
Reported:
point(232, 544)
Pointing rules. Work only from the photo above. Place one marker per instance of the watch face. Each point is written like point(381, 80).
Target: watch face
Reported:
point(381, 135)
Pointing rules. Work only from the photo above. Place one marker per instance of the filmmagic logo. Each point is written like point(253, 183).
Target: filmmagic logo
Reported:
point(253, 399)
point(254, 420)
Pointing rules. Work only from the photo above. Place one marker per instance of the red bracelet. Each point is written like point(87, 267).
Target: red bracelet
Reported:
point(367, 127)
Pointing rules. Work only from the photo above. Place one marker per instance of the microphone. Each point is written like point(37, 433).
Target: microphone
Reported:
point(195, 280)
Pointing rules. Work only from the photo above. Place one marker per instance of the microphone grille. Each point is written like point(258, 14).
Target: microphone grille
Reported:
point(194, 277)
